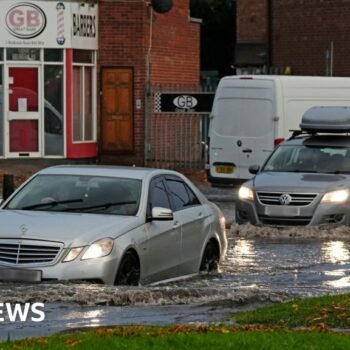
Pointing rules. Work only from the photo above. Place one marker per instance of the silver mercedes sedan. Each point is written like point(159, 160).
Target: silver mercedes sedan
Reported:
point(115, 225)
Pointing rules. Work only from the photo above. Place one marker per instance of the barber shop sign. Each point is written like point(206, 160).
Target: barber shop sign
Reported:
point(25, 20)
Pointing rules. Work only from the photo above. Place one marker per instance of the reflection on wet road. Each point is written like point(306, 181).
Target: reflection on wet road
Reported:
point(255, 271)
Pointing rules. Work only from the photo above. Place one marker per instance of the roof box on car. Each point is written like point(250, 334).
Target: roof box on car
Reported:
point(326, 119)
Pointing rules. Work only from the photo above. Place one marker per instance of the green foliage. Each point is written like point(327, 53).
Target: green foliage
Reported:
point(218, 33)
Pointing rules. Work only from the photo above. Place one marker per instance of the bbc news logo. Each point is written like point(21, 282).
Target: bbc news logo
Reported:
point(10, 312)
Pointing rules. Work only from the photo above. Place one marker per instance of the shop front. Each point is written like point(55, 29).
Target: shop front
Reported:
point(48, 79)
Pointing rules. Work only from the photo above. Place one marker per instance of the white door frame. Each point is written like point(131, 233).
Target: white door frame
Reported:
point(23, 115)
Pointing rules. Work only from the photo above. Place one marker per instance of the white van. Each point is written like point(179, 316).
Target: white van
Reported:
point(252, 114)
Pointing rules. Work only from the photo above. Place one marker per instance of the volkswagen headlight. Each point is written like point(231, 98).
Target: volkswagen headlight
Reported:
point(245, 193)
point(339, 196)
point(99, 249)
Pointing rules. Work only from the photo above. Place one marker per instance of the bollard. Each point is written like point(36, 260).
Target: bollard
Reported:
point(8, 186)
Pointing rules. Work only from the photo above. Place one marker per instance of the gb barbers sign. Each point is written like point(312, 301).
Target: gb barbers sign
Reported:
point(48, 24)
point(186, 102)
point(25, 21)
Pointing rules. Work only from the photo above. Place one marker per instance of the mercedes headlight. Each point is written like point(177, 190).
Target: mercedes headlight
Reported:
point(245, 193)
point(339, 196)
point(99, 249)
point(73, 254)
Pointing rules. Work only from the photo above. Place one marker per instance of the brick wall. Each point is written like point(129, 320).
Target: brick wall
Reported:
point(124, 41)
point(251, 20)
point(303, 30)
point(176, 47)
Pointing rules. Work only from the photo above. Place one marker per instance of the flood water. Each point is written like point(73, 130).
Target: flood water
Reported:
point(256, 271)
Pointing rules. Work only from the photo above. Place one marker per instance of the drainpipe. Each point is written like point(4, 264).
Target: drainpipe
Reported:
point(269, 34)
point(331, 59)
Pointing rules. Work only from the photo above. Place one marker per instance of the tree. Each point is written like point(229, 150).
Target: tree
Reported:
point(218, 33)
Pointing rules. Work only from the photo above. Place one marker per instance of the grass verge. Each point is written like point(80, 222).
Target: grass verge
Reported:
point(184, 338)
point(265, 328)
point(322, 312)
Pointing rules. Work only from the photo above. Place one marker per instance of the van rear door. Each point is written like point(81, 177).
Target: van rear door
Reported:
point(242, 128)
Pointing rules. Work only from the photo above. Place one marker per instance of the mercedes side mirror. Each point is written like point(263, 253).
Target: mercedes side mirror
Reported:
point(254, 169)
point(162, 214)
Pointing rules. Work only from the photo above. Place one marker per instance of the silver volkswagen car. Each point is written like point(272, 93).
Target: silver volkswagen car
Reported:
point(113, 225)
point(306, 180)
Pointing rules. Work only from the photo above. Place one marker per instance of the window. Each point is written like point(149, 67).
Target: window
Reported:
point(84, 95)
point(53, 90)
point(301, 158)
point(53, 55)
point(80, 194)
point(193, 198)
point(83, 56)
point(158, 195)
point(180, 195)
point(23, 54)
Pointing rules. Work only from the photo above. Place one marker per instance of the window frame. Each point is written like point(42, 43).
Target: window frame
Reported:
point(82, 67)
point(187, 188)
point(149, 203)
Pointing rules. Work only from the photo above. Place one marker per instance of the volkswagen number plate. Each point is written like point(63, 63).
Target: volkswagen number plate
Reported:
point(282, 211)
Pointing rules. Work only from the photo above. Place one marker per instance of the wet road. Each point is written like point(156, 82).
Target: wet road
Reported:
point(255, 272)
point(260, 267)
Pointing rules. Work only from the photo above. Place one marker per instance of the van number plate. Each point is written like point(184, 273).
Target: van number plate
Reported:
point(224, 169)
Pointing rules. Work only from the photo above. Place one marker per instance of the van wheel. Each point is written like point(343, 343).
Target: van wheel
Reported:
point(210, 259)
point(129, 271)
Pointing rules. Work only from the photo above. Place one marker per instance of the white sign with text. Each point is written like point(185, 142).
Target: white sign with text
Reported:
point(48, 24)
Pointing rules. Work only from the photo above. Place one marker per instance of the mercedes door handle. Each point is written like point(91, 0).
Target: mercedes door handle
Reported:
point(176, 224)
point(247, 150)
point(200, 215)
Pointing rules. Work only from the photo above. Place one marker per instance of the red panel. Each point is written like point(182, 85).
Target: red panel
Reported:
point(24, 136)
point(25, 85)
point(74, 150)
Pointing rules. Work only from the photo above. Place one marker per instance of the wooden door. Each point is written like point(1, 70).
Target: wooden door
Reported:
point(117, 110)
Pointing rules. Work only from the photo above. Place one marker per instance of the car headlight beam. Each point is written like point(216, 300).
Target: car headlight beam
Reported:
point(245, 193)
point(99, 249)
point(339, 196)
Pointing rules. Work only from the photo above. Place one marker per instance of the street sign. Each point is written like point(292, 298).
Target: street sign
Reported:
point(183, 102)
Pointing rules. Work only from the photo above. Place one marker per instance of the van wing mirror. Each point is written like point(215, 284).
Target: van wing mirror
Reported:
point(162, 214)
point(254, 169)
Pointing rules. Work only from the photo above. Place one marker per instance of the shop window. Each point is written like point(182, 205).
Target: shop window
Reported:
point(23, 54)
point(83, 104)
point(53, 55)
point(53, 110)
point(83, 56)
point(77, 106)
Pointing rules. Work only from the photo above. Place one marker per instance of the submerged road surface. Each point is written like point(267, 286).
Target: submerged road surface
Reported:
point(256, 271)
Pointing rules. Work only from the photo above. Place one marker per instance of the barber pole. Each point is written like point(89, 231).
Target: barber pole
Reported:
point(60, 23)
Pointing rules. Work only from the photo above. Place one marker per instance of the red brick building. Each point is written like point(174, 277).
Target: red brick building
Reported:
point(166, 52)
point(76, 77)
point(309, 36)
